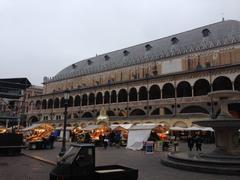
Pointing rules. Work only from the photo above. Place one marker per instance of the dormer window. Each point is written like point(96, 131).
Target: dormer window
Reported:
point(148, 47)
point(174, 40)
point(205, 32)
point(125, 52)
point(74, 66)
point(106, 57)
point(89, 62)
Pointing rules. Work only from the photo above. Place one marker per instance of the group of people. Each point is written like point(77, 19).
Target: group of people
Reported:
point(196, 140)
point(113, 138)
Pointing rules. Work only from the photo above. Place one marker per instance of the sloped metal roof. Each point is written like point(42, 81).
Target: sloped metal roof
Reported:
point(221, 33)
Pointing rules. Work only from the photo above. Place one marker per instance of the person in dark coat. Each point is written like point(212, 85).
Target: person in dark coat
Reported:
point(190, 143)
point(198, 141)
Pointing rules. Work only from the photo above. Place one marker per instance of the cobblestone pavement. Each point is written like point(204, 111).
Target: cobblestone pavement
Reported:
point(23, 168)
point(149, 166)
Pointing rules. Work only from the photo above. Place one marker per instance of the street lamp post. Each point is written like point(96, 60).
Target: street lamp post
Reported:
point(66, 98)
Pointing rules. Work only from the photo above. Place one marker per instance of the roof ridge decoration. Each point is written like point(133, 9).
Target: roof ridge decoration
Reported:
point(218, 34)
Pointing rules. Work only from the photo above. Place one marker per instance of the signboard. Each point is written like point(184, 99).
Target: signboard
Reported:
point(149, 147)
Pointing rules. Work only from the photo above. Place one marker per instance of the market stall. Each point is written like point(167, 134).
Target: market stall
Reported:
point(138, 134)
point(77, 135)
point(39, 136)
point(123, 130)
point(59, 133)
point(95, 132)
point(3, 130)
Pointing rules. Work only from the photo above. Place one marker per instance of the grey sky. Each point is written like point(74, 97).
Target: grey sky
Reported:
point(41, 37)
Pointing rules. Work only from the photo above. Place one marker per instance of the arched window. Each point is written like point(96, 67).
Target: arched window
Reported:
point(194, 109)
point(62, 102)
point(237, 83)
point(38, 104)
point(168, 91)
point(84, 100)
point(91, 99)
point(201, 87)
point(77, 101)
point(184, 89)
point(154, 92)
point(143, 93)
point(50, 104)
point(106, 97)
point(44, 104)
point(137, 112)
point(133, 94)
point(113, 96)
point(99, 99)
point(56, 103)
point(87, 115)
point(222, 83)
point(70, 101)
point(122, 95)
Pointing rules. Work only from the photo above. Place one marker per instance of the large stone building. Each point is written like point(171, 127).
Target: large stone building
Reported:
point(161, 81)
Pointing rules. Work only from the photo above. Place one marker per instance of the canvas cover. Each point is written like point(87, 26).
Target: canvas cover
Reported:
point(124, 126)
point(138, 134)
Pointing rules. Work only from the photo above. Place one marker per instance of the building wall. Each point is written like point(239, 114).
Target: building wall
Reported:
point(206, 66)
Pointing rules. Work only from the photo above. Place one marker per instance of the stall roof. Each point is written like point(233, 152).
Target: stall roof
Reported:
point(91, 127)
point(143, 126)
point(31, 127)
point(67, 128)
point(193, 128)
point(176, 128)
point(124, 126)
point(207, 129)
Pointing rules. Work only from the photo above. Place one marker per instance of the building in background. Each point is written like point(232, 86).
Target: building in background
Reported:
point(25, 100)
point(161, 81)
point(11, 100)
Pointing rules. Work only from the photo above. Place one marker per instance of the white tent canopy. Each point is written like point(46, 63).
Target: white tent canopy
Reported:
point(31, 127)
point(67, 128)
point(207, 129)
point(193, 128)
point(124, 126)
point(138, 134)
point(176, 128)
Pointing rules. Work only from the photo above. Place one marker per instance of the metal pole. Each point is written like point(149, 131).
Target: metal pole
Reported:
point(63, 150)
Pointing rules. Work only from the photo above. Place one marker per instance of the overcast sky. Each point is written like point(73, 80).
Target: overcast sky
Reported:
point(41, 37)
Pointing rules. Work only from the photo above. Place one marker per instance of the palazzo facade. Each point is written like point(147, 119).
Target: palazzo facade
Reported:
point(161, 81)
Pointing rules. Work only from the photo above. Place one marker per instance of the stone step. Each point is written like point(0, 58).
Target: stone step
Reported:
point(204, 161)
point(201, 167)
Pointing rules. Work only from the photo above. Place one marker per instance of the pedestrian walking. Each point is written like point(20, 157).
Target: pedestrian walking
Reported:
point(105, 142)
point(198, 141)
point(190, 143)
point(117, 138)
